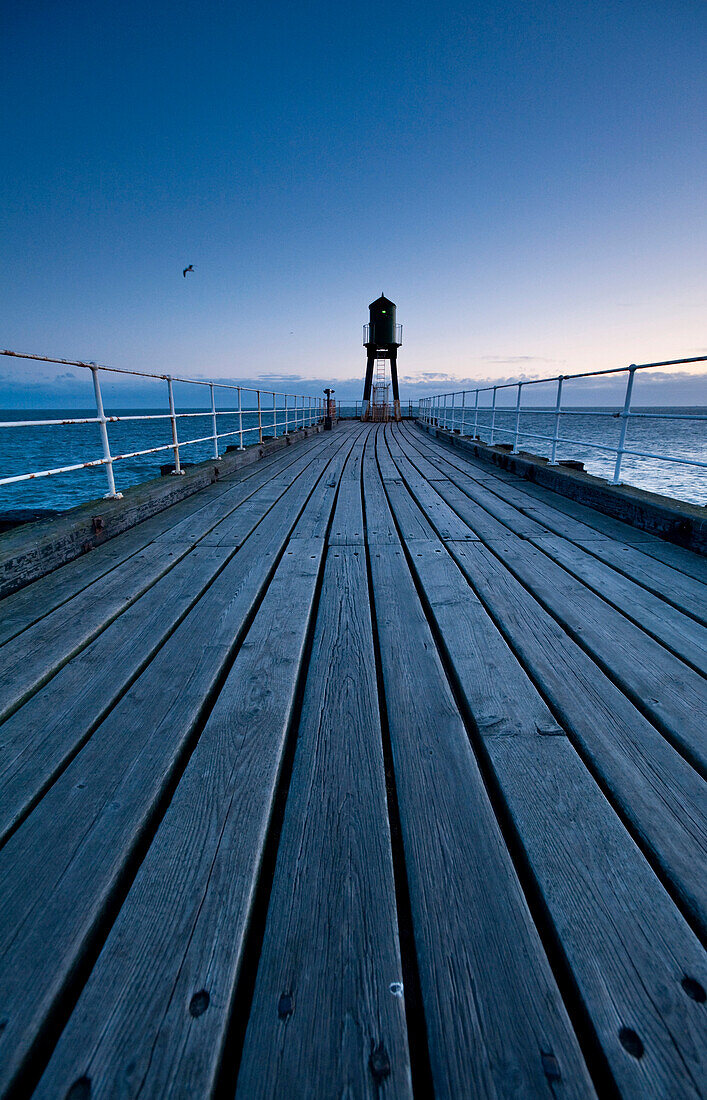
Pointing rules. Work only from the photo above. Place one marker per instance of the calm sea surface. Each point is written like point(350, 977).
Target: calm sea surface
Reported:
point(37, 448)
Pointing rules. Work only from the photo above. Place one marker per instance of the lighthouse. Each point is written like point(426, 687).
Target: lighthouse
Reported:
point(381, 338)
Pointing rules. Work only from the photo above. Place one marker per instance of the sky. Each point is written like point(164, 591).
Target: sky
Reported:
point(524, 178)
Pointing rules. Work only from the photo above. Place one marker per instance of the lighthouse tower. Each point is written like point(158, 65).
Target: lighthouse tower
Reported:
point(381, 338)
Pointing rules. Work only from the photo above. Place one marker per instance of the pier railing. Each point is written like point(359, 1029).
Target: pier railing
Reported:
point(287, 411)
point(460, 412)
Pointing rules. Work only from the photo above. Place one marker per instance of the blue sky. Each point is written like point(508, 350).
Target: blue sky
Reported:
point(525, 180)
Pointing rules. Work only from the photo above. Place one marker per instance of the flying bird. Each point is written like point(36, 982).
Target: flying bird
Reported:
point(190, 268)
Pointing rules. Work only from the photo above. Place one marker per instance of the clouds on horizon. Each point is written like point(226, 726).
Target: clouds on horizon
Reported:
point(49, 389)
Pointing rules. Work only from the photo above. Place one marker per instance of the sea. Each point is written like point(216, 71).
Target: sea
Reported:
point(661, 431)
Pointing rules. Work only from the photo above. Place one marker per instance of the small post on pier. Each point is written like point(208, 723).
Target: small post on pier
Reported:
point(240, 420)
point(260, 420)
point(493, 417)
point(111, 494)
point(328, 422)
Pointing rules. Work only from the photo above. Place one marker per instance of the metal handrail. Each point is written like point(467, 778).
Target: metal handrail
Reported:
point(299, 411)
point(439, 411)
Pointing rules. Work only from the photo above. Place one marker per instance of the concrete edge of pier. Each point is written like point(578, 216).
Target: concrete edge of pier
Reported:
point(674, 520)
point(31, 550)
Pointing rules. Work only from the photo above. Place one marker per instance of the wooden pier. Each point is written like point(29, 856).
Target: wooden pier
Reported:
point(368, 771)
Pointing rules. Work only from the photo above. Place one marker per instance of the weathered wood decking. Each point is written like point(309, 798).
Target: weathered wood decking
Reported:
point(367, 772)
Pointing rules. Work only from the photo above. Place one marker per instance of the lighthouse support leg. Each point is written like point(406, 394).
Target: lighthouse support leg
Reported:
point(394, 380)
point(367, 384)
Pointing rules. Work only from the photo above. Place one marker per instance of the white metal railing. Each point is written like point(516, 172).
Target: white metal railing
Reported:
point(444, 411)
point(274, 410)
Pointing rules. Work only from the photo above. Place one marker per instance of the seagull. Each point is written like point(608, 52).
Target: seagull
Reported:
point(190, 268)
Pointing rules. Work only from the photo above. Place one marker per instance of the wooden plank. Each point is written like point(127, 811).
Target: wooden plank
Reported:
point(64, 881)
point(656, 789)
point(388, 470)
point(395, 435)
point(598, 525)
point(623, 956)
point(463, 473)
point(24, 607)
point(629, 960)
point(507, 515)
point(682, 592)
point(42, 736)
point(439, 450)
point(234, 528)
point(325, 1019)
point(36, 654)
point(437, 511)
point(685, 593)
point(479, 988)
point(280, 470)
point(347, 525)
point(673, 695)
point(685, 637)
point(314, 522)
point(601, 525)
point(380, 526)
point(136, 1027)
point(32, 657)
point(412, 523)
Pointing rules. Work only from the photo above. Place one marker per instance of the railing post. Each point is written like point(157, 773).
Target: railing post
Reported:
point(493, 417)
point(111, 494)
point(624, 414)
point(213, 420)
point(240, 420)
point(515, 441)
point(274, 417)
point(558, 411)
point(476, 415)
point(260, 420)
point(463, 413)
point(287, 425)
point(175, 437)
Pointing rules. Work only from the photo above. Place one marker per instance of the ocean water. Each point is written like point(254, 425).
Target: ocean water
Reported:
point(25, 449)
